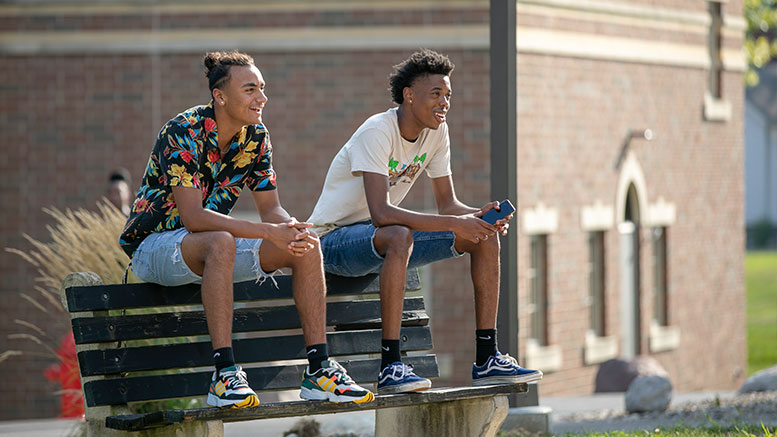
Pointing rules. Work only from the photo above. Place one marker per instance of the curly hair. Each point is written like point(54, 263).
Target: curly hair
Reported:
point(420, 63)
point(217, 65)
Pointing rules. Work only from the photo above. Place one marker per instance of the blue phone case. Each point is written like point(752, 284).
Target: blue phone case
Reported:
point(505, 209)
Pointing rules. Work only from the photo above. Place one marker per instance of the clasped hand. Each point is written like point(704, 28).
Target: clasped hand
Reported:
point(296, 236)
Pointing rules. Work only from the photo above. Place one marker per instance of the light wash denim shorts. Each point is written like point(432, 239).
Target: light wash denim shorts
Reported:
point(158, 259)
point(349, 250)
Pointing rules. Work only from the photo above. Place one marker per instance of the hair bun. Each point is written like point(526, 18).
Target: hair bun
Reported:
point(211, 60)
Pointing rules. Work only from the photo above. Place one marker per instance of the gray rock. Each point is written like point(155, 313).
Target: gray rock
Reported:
point(764, 380)
point(648, 393)
point(615, 375)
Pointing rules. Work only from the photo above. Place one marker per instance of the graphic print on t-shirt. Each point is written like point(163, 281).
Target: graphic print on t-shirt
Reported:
point(407, 173)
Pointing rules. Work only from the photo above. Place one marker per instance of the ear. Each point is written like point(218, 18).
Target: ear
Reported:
point(218, 97)
point(407, 94)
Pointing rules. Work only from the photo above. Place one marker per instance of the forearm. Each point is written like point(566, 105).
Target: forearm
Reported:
point(456, 208)
point(417, 221)
point(275, 215)
point(206, 220)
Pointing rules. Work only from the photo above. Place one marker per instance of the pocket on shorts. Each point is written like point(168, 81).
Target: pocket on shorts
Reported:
point(141, 267)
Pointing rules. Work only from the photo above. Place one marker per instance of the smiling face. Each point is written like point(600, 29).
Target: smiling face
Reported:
point(242, 97)
point(429, 99)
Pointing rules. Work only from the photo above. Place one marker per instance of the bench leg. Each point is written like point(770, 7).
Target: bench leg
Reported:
point(470, 417)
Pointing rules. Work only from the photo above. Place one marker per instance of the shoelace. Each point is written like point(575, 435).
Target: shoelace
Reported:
point(506, 359)
point(404, 370)
point(235, 379)
point(339, 371)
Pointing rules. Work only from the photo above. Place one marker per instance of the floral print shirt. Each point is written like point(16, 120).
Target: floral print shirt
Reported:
point(186, 154)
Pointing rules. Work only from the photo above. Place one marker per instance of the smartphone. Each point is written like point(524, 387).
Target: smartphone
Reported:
point(505, 208)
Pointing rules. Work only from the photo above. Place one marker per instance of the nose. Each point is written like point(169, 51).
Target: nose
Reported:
point(262, 98)
point(445, 101)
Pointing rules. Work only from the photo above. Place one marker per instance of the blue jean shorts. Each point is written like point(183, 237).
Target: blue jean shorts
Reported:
point(158, 259)
point(349, 250)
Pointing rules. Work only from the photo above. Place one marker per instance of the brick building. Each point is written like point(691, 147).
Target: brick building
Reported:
point(626, 246)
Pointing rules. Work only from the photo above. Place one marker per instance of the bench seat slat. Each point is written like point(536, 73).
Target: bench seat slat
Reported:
point(108, 297)
point(138, 422)
point(143, 388)
point(171, 356)
point(148, 326)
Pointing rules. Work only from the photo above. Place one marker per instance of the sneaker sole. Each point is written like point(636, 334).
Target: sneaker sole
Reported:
point(215, 401)
point(493, 380)
point(319, 395)
point(409, 387)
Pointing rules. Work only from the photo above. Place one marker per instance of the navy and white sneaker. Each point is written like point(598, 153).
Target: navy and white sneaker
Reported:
point(502, 369)
point(398, 377)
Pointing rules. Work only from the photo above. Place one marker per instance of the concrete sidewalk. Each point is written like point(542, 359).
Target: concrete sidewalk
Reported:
point(363, 423)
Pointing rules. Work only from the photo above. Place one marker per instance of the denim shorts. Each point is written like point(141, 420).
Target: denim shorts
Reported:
point(158, 259)
point(349, 250)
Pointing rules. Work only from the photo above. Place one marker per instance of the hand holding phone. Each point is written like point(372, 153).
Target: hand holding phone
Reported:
point(492, 216)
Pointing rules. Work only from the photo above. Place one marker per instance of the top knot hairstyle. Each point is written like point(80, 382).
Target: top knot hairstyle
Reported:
point(217, 65)
point(419, 64)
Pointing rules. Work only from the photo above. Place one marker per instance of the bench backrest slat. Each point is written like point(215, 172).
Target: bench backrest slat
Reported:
point(253, 350)
point(122, 390)
point(109, 297)
point(149, 326)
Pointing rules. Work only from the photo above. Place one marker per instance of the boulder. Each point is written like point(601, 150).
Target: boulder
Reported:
point(648, 393)
point(763, 380)
point(616, 374)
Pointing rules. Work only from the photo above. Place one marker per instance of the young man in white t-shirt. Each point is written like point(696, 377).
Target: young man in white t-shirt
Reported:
point(363, 230)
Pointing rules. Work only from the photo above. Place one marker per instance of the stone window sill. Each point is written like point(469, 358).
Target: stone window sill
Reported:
point(664, 338)
point(599, 349)
point(545, 358)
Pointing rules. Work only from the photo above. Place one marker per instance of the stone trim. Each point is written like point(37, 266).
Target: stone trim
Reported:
point(663, 338)
point(597, 217)
point(545, 358)
point(716, 109)
point(631, 173)
point(539, 220)
point(599, 349)
point(661, 213)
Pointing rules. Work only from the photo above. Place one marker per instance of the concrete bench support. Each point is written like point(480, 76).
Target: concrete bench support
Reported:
point(470, 417)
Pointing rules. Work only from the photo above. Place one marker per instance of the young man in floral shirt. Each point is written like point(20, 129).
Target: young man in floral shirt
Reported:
point(364, 230)
point(179, 230)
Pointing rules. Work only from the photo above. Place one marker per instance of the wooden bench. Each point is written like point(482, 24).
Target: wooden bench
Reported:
point(146, 342)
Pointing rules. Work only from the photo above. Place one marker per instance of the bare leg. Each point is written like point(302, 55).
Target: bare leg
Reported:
point(395, 245)
point(309, 286)
point(485, 270)
point(212, 256)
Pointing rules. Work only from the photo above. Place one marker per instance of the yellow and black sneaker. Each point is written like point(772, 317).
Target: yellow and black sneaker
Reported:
point(333, 384)
point(229, 388)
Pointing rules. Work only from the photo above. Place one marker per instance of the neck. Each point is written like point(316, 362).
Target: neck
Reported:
point(226, 127)
point(409, 128)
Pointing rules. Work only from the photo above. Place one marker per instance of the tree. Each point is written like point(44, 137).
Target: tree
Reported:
point(760, 36)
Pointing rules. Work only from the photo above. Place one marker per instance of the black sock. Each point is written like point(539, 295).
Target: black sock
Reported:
point(316, 354)
point(485, 339)
point(389, 352)
point(223, 358)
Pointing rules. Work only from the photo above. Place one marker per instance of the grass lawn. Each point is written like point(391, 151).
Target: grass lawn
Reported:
point(761, 286)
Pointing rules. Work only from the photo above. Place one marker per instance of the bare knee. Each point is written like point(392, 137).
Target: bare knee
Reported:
point(220, 246)
point(394, 240)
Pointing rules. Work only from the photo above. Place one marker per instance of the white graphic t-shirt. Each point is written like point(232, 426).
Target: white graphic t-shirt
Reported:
point(377, 147)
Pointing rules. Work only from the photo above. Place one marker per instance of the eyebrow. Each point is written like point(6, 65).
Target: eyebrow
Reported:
point(253, 84)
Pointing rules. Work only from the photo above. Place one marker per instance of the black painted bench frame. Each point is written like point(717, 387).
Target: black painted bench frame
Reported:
point(114, 371)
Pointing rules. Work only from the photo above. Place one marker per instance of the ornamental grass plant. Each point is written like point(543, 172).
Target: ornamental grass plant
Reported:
point(81, 240)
